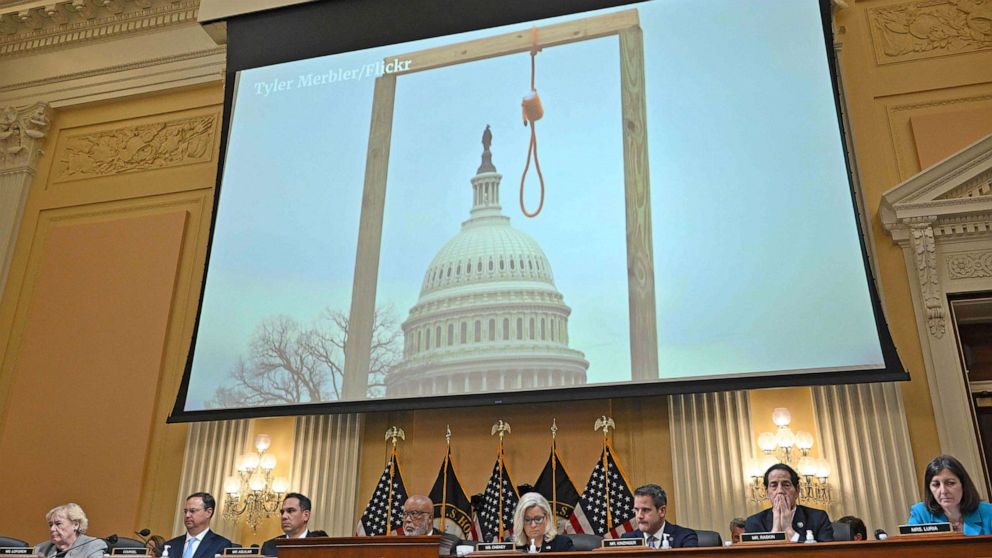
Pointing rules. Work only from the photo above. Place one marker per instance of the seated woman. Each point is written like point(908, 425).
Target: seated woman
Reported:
point(951, 497)
point(533, 523)
point(66, 527)
point(154, 544)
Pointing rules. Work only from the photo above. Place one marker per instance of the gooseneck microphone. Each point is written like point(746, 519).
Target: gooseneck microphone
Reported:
point(881, 535)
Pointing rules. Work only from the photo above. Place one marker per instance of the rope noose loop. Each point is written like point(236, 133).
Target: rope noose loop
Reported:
point(532, 112)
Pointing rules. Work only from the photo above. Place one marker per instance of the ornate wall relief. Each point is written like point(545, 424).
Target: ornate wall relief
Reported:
point(21, 135)
point(136, 148)
point(930, 28)
point(925, 256)
point(969, 265)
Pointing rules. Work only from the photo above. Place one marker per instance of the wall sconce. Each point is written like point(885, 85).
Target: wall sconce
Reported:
point(253, 493)
point(780, 447)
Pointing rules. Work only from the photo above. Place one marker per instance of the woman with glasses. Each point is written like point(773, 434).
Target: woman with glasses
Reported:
point(67, 539)
point(534, 526)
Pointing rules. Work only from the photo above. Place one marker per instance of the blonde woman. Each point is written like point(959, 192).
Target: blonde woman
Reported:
point(533, 523)
point(67, 539)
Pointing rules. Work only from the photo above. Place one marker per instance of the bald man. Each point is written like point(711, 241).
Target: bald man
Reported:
point(418, 516)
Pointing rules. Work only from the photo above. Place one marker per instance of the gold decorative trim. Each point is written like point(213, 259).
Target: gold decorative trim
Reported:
point(65, 22)
point(136, 148)
point(968, 265)
point(929, 28)
point(22, 132)
point(925, 258)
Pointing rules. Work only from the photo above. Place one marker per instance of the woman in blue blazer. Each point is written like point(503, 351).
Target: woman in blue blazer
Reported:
point(951, 497)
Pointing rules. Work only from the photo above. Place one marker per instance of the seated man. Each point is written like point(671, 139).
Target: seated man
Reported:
point(418, 520)
point(199, 541)
point(858, 530)
point(295, 514)
point(650, 507)
point(736, 529)
point(786, 515)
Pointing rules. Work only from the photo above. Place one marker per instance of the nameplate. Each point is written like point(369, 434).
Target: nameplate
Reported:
point(234, 551)
point(762, 537)
point(621, 543)
point(924, 528)
point(129, 552)
point(16, 550)
point(494, 547)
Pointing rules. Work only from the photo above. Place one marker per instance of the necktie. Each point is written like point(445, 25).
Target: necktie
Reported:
point(652, 542)
point(188, 551)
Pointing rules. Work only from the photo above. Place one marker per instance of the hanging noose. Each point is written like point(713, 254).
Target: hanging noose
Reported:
point(532, 112)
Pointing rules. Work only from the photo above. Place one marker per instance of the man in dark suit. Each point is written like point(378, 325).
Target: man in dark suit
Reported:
point(650, 507)
point(785, 515)
point(418, 520)
point(295, 514)
point(199, 541)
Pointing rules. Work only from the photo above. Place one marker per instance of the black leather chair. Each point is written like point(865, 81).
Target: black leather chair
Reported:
point(709, 538)
point(11, 541)
point(585, 541)
point(842, 531)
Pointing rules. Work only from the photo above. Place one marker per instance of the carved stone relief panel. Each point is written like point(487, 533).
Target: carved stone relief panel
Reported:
point(136, 148)
point(930, 28)
point(969, 265)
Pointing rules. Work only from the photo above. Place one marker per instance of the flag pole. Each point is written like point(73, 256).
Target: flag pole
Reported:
point(554, 468)
point(444, 483)
point(392, 434)
point(604, 423)
point(503, 428)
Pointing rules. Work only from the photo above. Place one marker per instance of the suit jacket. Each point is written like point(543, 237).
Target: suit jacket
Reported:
point(978, 522)
point(269, 547)
point(678, 537)
point(805, 519)
point(211, 544)
point(84, 547)
point(560, 543)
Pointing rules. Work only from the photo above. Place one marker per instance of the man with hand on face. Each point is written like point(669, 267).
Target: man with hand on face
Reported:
point(295, 519)
point(199, 541)
point(785, 515)
point(650, 507)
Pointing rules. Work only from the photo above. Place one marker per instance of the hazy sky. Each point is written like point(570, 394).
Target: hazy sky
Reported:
point(757, 261)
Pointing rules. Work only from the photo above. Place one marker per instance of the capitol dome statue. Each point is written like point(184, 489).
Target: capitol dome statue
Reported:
point(489, 317)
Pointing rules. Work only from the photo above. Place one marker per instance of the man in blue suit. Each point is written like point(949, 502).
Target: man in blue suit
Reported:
point(650, 507)
point(199, 541)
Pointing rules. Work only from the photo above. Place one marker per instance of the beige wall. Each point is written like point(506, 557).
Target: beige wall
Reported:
point(98, 310)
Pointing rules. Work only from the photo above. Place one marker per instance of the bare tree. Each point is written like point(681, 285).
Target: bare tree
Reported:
point(289, 363)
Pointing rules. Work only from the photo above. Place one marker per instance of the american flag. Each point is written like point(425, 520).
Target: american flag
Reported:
point(386, 503)
point(606, 507)
point(500, 494)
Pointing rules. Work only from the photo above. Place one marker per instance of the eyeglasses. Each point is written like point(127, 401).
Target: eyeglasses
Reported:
point(191, 511)
point(415, 515)
point(535, 520)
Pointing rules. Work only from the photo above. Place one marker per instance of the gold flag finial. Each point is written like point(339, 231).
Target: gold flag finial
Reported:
point(605, 423)
point(395, 433)
point(447, 434)
point(554, 427)
point(502, 427)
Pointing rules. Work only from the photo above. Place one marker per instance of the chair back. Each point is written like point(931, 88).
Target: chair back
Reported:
point(11, 541)
point(842, 531)
point(585, 541)
point(709, 538)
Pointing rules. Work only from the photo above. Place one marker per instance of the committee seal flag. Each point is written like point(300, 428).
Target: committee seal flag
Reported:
point(556, 486)
point(452, 508)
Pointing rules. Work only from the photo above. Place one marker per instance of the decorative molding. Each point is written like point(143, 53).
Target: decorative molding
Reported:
point(969, 265)
point(63, 22)
point(136, 148)
point(929, 28)
point(925, 257)
point(979, 186)
point(22, 132)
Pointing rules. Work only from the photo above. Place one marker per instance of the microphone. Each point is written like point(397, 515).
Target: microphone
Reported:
point(881, 535)
point(143, 533)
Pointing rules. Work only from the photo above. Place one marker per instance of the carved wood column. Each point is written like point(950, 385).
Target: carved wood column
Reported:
point(22, 135)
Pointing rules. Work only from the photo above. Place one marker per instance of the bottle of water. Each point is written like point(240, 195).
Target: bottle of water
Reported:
point(809, 537)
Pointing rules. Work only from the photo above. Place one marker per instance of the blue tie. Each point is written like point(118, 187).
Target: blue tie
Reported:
point(188, 551)
point(652, 543)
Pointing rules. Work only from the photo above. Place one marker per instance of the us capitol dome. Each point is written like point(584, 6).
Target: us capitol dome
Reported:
point(489, 317)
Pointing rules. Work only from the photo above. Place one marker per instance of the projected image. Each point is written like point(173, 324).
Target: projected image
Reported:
point(649, 194)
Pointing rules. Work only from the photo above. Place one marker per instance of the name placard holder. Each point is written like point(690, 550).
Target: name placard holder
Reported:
point(16, 551)
point(925, 529)
point(251, 551)
point(622, 543)
point(129, 552)
point(762, 537)
point(495, 547)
